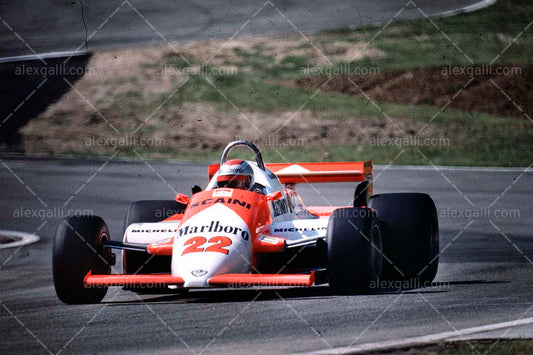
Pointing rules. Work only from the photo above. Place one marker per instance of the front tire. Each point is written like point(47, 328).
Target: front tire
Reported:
point(77, 250)
point(136, 262)
point(410, 236)
point(354, 251)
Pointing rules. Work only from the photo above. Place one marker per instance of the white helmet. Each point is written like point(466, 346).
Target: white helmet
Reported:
point(236, 174)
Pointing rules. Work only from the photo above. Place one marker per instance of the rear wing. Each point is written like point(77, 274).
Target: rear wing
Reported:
point(301, 173)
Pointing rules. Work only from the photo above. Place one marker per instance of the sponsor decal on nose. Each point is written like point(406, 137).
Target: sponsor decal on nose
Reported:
point(228, 201)
point(213, 227)
point(199, 272)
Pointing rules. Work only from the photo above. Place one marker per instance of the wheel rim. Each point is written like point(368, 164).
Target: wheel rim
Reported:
point(104, 252)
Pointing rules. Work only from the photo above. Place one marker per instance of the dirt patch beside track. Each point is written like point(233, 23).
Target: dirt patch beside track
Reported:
point(443, 86)
point(203, 127)
point(187, 100)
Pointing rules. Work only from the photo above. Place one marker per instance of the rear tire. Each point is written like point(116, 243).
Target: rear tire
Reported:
point(77, 250)
point(354, 256)
point(410, 235)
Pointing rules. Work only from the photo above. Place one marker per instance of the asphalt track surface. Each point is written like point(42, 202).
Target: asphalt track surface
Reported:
point(40, 26)
point(485, 274)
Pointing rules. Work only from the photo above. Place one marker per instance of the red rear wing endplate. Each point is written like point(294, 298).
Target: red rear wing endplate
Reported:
point(321, 172)
point(299, 173)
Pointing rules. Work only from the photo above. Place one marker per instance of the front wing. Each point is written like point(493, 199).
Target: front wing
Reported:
point(224, 280)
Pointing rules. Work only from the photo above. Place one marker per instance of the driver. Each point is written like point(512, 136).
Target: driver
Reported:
point(236, 174)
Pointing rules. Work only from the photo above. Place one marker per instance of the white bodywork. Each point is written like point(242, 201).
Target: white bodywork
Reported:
point(147, 233)
point(300, 228)
point(196, 268)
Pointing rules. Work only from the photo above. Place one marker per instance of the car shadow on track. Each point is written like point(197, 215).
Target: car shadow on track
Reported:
point(247, 295)
point(229, 295)
point(474, 282)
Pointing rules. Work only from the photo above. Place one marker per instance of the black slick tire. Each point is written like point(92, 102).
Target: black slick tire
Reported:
point(410, 233)
point(77, 250)
point(354, 257)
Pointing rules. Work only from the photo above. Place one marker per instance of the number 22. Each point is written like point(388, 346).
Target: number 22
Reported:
point(195, 245)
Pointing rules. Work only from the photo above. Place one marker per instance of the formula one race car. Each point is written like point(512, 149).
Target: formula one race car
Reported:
point(247, 230)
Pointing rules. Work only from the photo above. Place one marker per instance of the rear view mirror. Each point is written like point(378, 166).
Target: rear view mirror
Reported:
point(181, 198)
point(274, 196)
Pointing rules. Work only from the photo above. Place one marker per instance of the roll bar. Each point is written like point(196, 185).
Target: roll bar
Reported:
point(243, 143)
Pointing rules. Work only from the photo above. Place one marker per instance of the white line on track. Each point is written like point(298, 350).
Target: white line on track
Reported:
point(462, 10)
point(470, 8)
point(20, 239)
point(40, 56)
point(422, 340)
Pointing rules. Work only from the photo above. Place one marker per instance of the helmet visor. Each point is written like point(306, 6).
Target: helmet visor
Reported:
point(234, 181)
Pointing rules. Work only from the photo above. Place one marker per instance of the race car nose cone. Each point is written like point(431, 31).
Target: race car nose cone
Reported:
point(197, 278)
point(213, 242)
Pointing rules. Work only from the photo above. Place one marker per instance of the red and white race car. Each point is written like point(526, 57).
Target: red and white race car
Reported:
point(247, 230)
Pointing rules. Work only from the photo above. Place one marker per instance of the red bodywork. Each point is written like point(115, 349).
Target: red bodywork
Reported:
point(254, 210)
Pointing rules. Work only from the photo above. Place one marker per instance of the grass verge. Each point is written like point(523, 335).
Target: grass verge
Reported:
point(189, 110)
